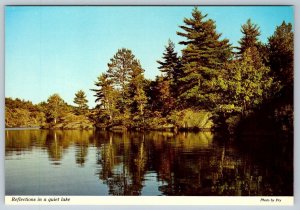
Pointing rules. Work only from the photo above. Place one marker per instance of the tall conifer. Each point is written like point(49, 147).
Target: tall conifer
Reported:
point(203, 55)
point(250, 37)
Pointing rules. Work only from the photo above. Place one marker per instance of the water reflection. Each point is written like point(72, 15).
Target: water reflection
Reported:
point(183, 163)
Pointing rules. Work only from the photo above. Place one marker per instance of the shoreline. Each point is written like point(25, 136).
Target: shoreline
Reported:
point(119, 130)
point(24, 128)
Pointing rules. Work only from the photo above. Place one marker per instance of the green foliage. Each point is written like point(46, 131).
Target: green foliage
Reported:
point(137, 96)
point(170, 61)
point(250, 37)
point(107, 97)
point(124, 70)
point(81, 101)
point(246, 84)
point(121, 90)
point(167, 86)
point(203, 56)
point(281, 54)
point(171, 66)
point(20, 113)
point(56, 107)
point(119, 68)
point(54, 114)
point(22, 118)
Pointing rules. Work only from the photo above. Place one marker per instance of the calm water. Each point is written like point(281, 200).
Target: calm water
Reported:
point(41, 162)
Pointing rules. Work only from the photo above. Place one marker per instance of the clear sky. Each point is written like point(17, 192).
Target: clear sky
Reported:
point(62, 49)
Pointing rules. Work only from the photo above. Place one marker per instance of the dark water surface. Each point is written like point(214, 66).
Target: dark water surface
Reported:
point(42, 162)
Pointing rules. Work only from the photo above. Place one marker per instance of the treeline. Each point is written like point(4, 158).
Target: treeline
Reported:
point(210, 85)
point(20, 113)
point(54, 114)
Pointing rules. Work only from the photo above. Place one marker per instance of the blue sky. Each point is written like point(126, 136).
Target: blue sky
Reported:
point(64, 49)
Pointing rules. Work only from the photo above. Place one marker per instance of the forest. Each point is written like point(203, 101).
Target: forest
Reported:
point(209, 85)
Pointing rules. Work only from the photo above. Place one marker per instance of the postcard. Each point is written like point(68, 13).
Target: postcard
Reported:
point(149, 105)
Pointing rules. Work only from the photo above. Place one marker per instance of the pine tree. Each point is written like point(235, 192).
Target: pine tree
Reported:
point(172, 68)
point(81, 101)
point(170, 65)
point(119, 72)
point(106, 95)
point(204, 54)
point(121, 90)
point(136, 91)
point(250, 37)
point(281, 54)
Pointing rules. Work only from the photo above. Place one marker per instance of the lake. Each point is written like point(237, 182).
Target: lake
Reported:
point(56, 162)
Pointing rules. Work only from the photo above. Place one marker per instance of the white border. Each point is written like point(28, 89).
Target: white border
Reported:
point(150, 200)
point(243, 202)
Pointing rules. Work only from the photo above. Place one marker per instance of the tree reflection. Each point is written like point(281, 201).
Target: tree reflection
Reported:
point(184, 163)
point(107, 158)
point(55, 148)
point(56, 142)
point(123, 160)
point(18, 141)
point(81, 152)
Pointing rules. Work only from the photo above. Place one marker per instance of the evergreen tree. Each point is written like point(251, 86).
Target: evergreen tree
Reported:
point(136, 91)
point(281, 54)
point(172, 68)
point(126, 75)
point(121, 89)
point(204, 54)
point(263, 50)
point(118, 72)
point(81, 101)
point(250, 37)
point(106, 96)
point(170, 65)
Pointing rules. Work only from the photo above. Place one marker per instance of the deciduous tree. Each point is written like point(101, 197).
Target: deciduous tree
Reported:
point(246, 83)
point(56, 107)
